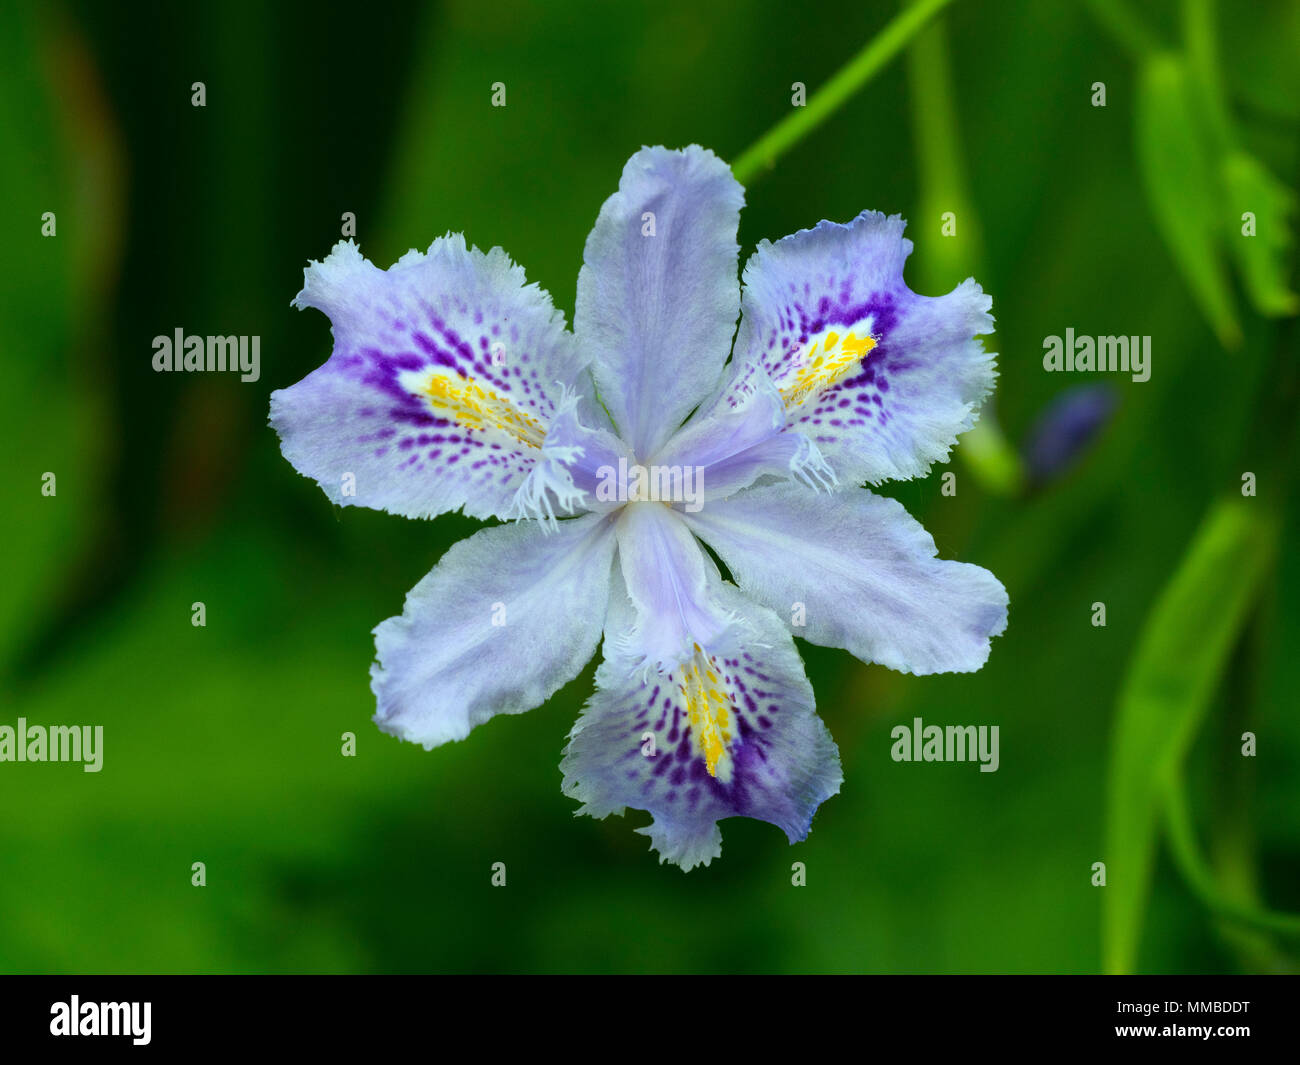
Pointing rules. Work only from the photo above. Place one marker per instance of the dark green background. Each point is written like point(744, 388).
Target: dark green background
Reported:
point(222, 743)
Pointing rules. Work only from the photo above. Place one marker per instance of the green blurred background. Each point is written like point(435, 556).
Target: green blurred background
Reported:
point(222, 743)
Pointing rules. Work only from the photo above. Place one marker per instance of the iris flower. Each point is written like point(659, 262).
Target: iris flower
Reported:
point(453, 384)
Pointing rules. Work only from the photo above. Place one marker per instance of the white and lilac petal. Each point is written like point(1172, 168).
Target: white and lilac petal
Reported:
point(447, 369)
point(658, 293)
point(881, 379)
point(742, 436)
point(505, 619)
point(667, 576)
point(734, 733)
point(855, 570)
point(575, 460)
point(594, 452)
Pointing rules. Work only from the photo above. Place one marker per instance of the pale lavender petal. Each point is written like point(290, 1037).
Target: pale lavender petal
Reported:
point(667, 577)
point(881, 379)
point(734, 733)
point(567, 477)
point(579, 428)
point(658, 293)
point(447, 369)
point(500, 623)
point(742, 436)
point(855, 570)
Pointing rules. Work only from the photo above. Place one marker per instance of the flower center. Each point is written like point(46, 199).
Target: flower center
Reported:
point(827, 360)
point(474, 406)
point(708, 708)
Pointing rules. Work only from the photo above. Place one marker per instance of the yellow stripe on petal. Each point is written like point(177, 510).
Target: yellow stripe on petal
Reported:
point(827, 360)
point(709, 711)
point(474, 406)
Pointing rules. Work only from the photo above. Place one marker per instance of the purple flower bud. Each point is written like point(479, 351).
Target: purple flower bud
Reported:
point(1065, 430)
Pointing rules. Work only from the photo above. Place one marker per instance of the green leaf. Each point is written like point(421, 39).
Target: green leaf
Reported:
point(1259, 55)
point(59, 187)
point(1263, 256)
point(1182, 187)
point(1180, 658)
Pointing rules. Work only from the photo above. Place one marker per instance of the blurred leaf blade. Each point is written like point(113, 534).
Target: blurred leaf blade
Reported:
point(1180, 658)
point(1196, 871)
point(1181, 184)
point(1263, 256)
point(62, 189)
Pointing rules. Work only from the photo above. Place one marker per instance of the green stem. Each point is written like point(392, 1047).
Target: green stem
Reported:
point(763, 154)
point(939, 165)
point(1125, 27)
point(1187, 856)
point(941, 176)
